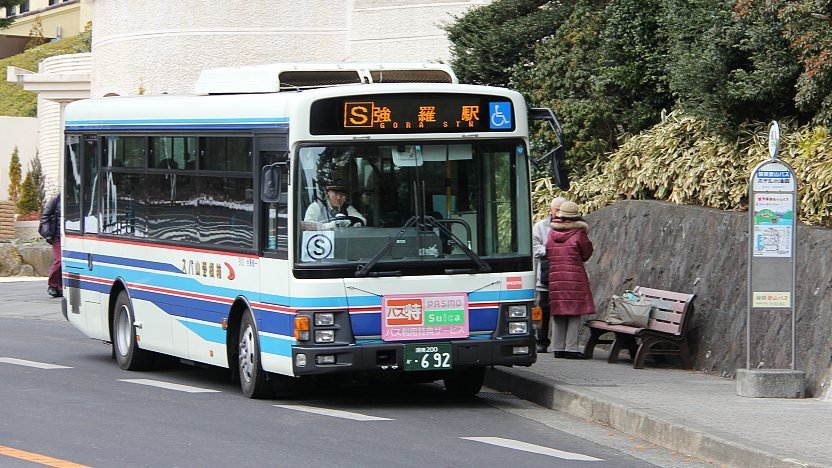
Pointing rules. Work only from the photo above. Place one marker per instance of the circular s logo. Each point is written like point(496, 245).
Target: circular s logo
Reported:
point(319, 246)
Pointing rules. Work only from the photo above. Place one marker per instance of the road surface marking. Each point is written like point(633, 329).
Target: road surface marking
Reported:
point(169, 386)
point(333, 413)
point(39, 365)
point(526, 447)
point(36, 458)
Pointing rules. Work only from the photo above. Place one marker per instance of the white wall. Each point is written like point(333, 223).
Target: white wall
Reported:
point(23, 133)
point(161, 46)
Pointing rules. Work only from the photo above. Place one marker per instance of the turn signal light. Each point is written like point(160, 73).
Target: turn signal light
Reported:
point(301, 327)
point(537, 313)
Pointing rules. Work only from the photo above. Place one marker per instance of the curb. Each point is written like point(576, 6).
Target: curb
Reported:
point(661, 429)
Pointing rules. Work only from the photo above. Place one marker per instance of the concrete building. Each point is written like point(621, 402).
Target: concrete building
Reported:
point(57, 18)
point(157, 46)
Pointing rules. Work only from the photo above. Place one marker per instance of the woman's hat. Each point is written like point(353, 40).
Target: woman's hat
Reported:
point(569, 210)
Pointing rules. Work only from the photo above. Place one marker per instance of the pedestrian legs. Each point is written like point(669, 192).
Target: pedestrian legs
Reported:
point(543, 332)
point(55, 282)
point(565, 331)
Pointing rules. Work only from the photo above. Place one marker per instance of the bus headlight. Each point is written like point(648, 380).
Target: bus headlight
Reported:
point(324, 336)
point(518, 311)
point(518, 328)
point(324, 318)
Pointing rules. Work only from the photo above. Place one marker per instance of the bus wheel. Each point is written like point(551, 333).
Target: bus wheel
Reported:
point(465, 382)
point(125, 348)
point(252, 376)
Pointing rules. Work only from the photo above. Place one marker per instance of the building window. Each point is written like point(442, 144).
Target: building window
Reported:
point(9, 12)
point(24, 6)
point(53, 2)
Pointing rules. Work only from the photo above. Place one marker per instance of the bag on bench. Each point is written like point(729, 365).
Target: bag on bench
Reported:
point(632, 310)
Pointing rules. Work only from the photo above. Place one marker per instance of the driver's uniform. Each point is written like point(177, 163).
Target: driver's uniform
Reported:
point(322, 212)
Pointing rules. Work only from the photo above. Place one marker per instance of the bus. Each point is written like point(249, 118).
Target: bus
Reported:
point(295, 221)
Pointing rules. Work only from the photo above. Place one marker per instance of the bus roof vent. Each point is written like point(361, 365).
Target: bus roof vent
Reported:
point(272, 78)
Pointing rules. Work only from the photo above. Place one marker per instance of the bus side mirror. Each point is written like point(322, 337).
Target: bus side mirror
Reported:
point(559, 172)
point(271, 183)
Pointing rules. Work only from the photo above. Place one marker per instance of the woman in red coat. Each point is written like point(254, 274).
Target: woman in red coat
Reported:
point(570, 297)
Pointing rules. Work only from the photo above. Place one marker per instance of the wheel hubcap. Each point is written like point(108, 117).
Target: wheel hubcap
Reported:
point(247, 354)
point(123, 335)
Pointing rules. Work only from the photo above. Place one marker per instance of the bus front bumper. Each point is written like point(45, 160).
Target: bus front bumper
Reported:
point(389, 357)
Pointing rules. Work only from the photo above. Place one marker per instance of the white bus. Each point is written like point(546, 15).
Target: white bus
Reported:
point(291, 221)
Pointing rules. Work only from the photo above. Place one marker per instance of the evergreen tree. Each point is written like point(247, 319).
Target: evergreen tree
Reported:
point(14, 176)
point(38, 179)
point(6, 22)
point(28, 202)
point(33, 193)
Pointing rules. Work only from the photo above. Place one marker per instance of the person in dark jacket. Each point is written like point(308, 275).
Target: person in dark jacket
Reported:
point(570, 297)
point(50, 229)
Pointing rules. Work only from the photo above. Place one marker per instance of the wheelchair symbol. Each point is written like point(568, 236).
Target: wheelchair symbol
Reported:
point(499, 119)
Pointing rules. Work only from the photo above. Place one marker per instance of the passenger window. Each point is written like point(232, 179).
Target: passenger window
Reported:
point(226, 154)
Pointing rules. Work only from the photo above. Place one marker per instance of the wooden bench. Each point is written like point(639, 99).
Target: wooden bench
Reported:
point(664, 334)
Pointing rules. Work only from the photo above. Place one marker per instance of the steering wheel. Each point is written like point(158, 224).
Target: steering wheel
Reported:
point(354, 220)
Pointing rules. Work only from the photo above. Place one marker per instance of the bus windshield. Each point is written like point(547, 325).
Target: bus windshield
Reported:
point(399, 204)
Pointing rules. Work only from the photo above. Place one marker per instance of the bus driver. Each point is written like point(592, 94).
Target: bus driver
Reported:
point(333, 211)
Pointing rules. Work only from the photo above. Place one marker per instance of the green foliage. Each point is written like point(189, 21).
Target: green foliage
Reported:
point(33, 191)
point(564, 77)
point(28, 200)
point(6, 22)
point(14, 176)
point(16, 102)
point(665, 99)
point(488, 41)
point(680, 160)
point(807, 25)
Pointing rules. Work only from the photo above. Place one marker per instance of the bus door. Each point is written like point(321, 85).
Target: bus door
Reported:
point(81, 186)
point(274, 319)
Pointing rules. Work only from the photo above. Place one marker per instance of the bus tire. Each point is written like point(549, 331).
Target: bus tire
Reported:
point(125, 346)
point(465, 382)
point(253, 379)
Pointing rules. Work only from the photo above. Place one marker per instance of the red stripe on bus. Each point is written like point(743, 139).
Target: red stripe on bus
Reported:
point(157, 246)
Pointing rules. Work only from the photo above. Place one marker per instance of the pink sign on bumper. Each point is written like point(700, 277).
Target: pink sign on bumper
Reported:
point(424, 316)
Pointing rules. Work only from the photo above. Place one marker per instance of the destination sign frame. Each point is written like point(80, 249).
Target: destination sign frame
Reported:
point(412, 113)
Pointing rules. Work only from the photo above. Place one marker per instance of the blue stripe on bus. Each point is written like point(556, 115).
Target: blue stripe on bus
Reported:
point(145, 264)
point(188, 120)
point(276, 345)
point(212, 333)
point(241, 123)
point(173, 127)
point(185, 283)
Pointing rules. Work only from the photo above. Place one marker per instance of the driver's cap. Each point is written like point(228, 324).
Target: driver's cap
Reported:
point(338, 186)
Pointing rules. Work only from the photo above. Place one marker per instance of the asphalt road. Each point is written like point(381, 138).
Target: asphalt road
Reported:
point(65, 398)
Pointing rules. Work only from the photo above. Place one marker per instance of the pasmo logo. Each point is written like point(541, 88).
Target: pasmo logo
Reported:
point(404, 311)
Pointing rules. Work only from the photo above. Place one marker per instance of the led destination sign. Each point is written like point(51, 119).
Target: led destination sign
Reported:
point(397, 113)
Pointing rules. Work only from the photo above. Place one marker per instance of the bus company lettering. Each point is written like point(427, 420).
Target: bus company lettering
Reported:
point(514, 282)
point(445, 303)
point(404, 311)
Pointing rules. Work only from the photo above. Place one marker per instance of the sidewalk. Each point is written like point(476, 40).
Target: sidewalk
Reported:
point(687, 411)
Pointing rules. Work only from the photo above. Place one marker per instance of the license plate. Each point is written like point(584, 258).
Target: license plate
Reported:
point(424, 357)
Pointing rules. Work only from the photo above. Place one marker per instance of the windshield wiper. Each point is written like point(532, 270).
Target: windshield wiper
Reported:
point(484, 267)
point(364, 270)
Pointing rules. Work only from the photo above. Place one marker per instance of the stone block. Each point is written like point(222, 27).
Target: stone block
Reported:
point(771, 383)
point(39, 256)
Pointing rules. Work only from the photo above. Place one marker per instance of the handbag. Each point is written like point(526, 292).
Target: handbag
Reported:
point(630, 309)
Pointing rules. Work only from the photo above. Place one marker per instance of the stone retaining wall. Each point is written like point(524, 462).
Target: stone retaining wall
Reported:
point(25, 258)
point(705, 251)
